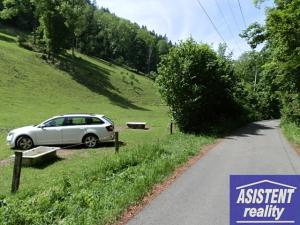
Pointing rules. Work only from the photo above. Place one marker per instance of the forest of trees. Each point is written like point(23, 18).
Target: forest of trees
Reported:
point(277, 66)
point(55, 26)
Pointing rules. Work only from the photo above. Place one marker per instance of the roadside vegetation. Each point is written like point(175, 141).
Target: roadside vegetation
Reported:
point(97, 190)
point(292, 132)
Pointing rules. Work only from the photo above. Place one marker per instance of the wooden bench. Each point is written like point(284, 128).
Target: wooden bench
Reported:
point(136, 125)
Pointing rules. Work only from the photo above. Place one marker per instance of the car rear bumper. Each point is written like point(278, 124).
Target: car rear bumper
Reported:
point(109, 137)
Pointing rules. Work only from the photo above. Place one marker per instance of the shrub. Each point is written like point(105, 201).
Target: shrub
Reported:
point(195, 82)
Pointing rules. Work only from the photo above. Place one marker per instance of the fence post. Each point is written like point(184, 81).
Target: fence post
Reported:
point(171, 127)
point(17, 172)
point(117, 141)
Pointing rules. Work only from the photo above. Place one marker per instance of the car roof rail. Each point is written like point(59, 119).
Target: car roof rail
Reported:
point(91, 114)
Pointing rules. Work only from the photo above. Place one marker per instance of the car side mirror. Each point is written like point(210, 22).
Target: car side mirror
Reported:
point(42, 126)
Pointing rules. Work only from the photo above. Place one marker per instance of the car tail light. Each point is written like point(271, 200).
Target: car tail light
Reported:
point(110, 128)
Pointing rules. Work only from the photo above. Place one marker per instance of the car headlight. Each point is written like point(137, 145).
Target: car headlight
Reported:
point(10, 134)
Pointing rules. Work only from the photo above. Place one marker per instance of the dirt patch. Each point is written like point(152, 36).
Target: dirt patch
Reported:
point(6, 162)
point(66, 153)
point(297, 149)
point(132, 211)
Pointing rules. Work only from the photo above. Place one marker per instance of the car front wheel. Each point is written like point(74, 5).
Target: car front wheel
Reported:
point(24, 143)
point(90, 141)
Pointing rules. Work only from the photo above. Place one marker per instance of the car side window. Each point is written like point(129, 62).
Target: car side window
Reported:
point(78, 121)
point(55, 122)
point(93, 121)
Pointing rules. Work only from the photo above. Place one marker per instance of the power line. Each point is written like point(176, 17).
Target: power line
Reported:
point(227, 24)
point(242, 13)
point(216, 29)
point(232, 14)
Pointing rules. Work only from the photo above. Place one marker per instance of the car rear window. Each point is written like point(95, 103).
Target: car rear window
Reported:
point(93, 120)
point(108, 120)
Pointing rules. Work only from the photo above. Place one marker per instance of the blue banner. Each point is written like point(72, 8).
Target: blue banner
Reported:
point(264, 199)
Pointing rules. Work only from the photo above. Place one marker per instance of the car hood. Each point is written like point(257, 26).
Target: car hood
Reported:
point(22, 129)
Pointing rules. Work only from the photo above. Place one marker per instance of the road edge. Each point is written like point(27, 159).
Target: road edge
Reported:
point(133, 210)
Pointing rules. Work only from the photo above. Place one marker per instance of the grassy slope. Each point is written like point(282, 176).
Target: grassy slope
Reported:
point(31, 91)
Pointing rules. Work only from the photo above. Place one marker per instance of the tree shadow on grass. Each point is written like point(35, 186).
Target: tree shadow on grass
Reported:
point(46, 163)
point(108, 144)
point(7, 39)
point(96, 79)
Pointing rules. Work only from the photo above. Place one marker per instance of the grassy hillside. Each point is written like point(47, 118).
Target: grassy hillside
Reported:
point(84, 84)
point(32, 90)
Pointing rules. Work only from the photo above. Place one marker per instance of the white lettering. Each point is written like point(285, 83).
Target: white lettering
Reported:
point(267, 196)
point(270, 211)
point(274, 196)
point(290, 193)
point(241, 198)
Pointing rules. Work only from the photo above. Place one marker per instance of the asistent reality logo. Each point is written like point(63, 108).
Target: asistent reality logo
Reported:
point(257, 199)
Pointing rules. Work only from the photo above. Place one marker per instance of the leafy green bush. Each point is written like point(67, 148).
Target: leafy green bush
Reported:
point(196, 83)
point(291, 108)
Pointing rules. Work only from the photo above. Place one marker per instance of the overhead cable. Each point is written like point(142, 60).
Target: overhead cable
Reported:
point(241, 10)
point(213, 24)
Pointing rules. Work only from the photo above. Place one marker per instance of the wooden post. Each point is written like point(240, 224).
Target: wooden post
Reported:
point(117, 141)
point(17, 172)
point(171, 127)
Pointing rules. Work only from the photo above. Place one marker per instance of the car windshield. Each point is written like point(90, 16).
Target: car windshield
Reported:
point(54, 122)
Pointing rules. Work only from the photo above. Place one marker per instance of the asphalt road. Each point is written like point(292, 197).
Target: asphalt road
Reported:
point(201, 195)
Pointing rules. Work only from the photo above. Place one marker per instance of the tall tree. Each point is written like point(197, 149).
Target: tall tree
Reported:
point(53, 26)
point(75, 18)
point(281, 36)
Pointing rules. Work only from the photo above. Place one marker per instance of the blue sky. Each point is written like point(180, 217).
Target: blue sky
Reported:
point(180, 19)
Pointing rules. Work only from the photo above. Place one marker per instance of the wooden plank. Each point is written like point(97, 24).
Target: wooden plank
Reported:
point(16, 172)
point(117, 146)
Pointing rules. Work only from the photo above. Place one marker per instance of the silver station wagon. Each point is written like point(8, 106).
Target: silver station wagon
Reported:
point(87, 129)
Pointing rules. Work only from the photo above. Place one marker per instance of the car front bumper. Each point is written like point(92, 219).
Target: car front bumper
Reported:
point(10, 141)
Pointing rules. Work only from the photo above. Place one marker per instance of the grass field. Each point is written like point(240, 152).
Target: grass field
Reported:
point(87, 186)
point(32, 91)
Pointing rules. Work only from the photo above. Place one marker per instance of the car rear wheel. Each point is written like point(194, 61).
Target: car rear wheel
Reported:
point(24, 143)
point(90, 141)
